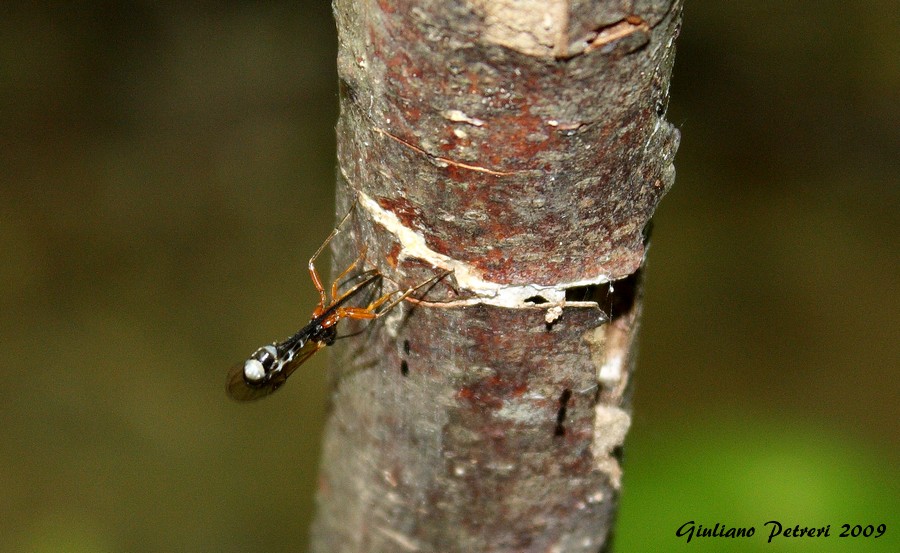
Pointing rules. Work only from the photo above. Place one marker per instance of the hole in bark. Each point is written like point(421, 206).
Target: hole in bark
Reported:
point(404, 367)
point(560, 430)
point(614, 298)
point(621, 296)
point(585, 293)
point(536, 300)
point(406, 347)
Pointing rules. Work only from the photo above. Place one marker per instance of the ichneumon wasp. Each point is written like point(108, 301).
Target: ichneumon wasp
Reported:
point(270, 366)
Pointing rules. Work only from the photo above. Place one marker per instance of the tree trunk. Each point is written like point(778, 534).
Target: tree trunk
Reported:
point(521, 145)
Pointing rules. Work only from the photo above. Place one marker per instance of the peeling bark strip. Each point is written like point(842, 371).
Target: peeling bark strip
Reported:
point(522, 145)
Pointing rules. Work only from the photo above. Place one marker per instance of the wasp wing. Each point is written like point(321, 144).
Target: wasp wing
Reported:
point(240, 389)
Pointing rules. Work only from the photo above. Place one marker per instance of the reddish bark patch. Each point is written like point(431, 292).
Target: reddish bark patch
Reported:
point(403, 209)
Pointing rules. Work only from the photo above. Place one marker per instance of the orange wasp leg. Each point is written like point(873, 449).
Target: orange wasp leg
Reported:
point(337, 281)
point(371, 311)
point(314, 274)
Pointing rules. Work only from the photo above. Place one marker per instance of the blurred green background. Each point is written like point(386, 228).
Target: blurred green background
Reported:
point(152, 234)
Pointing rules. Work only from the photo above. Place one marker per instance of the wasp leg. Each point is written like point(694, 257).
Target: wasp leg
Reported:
point(337, 281)
point(372, 311)
point(313, 273)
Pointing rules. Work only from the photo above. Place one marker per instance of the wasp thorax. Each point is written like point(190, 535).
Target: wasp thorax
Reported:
point(260, 364)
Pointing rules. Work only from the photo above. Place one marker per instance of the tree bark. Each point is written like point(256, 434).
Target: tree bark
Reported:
point(523, 146)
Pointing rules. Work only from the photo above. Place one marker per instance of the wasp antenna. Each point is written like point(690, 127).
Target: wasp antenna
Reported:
point(336, 230)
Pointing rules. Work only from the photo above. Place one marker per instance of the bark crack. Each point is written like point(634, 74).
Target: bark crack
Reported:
point(438, 160)
point(606, 37)
point(468, 277)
